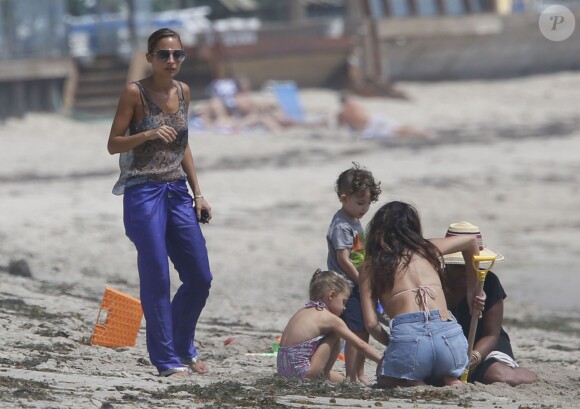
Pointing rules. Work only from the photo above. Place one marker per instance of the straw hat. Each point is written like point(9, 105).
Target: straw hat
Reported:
point(466, 228)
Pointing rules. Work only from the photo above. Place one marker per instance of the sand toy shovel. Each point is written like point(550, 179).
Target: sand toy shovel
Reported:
point(481, 274)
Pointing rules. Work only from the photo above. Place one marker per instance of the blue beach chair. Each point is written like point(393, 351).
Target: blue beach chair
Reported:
point(287, 96)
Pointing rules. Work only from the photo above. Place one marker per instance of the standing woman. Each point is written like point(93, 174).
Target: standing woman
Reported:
point(160, 216)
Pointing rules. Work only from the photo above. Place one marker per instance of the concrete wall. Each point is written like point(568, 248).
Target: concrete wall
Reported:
point(473, 47)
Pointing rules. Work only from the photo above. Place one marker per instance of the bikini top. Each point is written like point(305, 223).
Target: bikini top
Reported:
point(421, 294)
point(319, 305)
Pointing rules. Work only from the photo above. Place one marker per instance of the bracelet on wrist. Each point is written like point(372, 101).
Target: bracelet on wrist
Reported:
point(476, 357)
point(197, 197)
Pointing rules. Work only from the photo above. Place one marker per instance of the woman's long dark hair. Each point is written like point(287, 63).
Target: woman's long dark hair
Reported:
point(394, 235)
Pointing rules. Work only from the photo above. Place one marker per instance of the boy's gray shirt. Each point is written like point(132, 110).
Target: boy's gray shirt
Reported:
point(341, 235)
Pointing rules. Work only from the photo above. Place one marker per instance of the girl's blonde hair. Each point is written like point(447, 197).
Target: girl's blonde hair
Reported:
point(324, 281)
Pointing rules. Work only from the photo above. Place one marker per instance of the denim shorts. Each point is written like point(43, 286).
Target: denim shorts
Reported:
point(419, 350)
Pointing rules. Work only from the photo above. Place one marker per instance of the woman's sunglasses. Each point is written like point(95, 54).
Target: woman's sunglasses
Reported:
point(178, 55)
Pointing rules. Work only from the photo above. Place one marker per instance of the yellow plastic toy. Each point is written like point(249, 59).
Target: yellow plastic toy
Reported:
point(481, 274)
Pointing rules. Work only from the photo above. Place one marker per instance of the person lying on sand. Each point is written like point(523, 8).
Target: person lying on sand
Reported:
point(311, 341)
point(365, 125)
point(233, 108)
point(492, 359)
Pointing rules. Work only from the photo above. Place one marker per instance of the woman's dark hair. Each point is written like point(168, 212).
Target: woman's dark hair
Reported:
point(357, 181)
point(158, 36)
point(394, 235)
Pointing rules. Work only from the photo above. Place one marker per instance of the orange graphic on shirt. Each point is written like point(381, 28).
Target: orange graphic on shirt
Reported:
point(358, 244)
point(357, 253)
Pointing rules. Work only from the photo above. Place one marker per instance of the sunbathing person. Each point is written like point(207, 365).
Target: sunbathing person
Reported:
point(266, 109)
point(357, 119)
point(234, 114)
point(231, 109)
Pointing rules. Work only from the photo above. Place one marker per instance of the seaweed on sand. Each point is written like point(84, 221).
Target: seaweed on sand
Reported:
point(11, 388)
point(223, 394)
point(19, 307)
point(346, 390)
point(264, 393)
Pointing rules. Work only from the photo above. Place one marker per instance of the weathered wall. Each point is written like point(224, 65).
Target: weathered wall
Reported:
point(35, 85)
point(473, 47)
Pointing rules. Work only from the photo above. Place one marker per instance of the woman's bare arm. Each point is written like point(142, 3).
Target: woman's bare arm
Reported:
point(368, 306)
point(342, 331)
point(126, 108)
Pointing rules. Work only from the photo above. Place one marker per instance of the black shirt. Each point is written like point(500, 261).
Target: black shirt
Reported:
point(494, 293)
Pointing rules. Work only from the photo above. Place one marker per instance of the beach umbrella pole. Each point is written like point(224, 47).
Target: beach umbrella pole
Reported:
point(481, 274)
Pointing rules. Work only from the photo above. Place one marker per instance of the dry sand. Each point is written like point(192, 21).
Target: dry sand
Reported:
point(506, 159)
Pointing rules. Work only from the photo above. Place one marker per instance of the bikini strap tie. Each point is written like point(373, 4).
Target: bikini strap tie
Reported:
point(319, 305)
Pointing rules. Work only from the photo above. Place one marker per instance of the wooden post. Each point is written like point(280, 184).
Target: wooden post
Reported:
point(373, 51)
point(138, 67)
point(70, 89)
point(296, 11)
point(19, 104)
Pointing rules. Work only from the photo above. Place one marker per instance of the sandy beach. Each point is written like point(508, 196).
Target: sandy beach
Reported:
point(506, 158)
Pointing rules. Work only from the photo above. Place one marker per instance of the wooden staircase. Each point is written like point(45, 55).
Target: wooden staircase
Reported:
point(99, 87)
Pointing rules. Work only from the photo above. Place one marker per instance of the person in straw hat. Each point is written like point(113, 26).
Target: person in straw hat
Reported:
point(492, 359)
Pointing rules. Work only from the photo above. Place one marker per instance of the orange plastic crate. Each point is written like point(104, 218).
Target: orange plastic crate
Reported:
point(118, 321)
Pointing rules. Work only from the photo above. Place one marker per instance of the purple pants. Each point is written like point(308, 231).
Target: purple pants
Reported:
point(160, 220)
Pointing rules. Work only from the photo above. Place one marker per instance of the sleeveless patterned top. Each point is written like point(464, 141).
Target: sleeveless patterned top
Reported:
point(154, 160)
